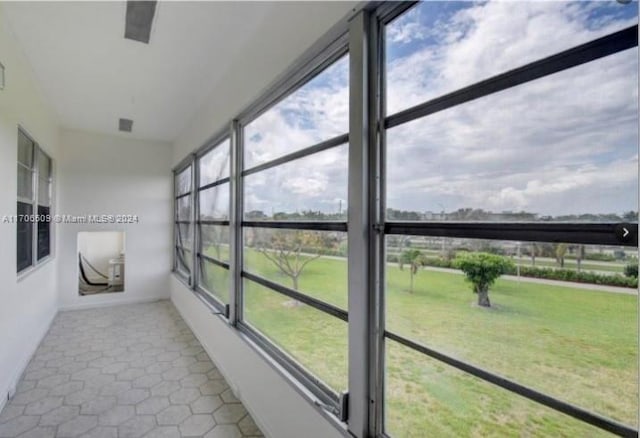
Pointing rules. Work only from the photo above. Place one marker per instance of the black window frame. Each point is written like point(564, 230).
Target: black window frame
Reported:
point(38, 224)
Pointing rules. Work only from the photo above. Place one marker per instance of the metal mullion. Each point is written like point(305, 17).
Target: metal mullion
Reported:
point(218, 182)
point(360, 229)
point(182, 222)
point(389, 11)
point(182, 195)
point(298, 225)
point(30, 169)
point(36, 194)
point(582, 54)
point(317, 304)
point(221, 222)
point(214, 261)
point(581, 233)
point(235, 224)
point(195, 215)
point(320, 147)
point(523, 391)
point(377, 205)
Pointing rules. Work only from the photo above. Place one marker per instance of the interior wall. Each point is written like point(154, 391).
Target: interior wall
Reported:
point(27, 305)
point(110, 175)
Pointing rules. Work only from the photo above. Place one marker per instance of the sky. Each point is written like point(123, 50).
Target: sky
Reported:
point(563, 144)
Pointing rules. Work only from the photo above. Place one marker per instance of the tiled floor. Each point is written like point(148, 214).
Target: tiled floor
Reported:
point(121, 372)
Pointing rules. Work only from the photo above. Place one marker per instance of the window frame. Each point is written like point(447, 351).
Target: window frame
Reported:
point(579, 233)
point(361, 410)
point(327, 398)
point(35, 202)
point(199, 287)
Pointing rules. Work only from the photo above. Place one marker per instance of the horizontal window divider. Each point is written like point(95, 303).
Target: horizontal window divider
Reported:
point(524, 391)
point(26, 167)
point(186, 222)
point(26, 200)
point(214, 184)
point(298, 225)
point(210, 300)
point(596, 49)
point(589, 234)
point(183, 195)
point(317, 304)
point(306, 378)
point(323, 146)
point(215, 261)
point(183, 248)
point(220, 222)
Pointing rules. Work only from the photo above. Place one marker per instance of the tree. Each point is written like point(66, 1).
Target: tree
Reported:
point(482, 270)
point(559, 251)
point(292, 250)
point(580, 253)
point(414, 258)
point(631, 270)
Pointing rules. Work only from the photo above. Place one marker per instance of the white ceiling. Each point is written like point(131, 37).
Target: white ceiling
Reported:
point(93, 76)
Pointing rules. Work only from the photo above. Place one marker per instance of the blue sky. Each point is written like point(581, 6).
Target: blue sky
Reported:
point(567, 143)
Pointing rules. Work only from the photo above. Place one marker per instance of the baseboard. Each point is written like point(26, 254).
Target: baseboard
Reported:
point(17, 375)
point(224, 373)
point(122, 302)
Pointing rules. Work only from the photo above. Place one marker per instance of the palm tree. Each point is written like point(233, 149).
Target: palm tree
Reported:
point(414, 258)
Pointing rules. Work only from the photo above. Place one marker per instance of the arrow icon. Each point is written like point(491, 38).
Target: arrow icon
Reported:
point(625, 232)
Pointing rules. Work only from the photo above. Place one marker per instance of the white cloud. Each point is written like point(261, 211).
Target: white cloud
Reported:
point(562, 144)
point(563, 137)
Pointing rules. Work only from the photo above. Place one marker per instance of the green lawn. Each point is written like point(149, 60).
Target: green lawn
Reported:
point(578, 345)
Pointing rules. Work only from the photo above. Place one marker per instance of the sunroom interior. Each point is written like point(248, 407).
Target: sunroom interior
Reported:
point(319, 219)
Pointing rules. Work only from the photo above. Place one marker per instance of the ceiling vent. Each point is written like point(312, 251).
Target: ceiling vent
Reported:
point(125, 125)
point(139, 19)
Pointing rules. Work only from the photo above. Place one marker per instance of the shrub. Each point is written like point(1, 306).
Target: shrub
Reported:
point(631, 270)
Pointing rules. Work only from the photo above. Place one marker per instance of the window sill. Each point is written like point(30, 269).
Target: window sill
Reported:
point(30, 270)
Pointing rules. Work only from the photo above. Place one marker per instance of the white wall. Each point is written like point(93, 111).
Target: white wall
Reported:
point(109, 175)
point(28, 306)
point(278, 409)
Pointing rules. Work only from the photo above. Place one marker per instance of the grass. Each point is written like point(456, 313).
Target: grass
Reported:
point(578, 345)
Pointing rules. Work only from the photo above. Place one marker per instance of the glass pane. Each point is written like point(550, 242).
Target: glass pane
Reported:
point(25, 150)
point(215, 279)
point(184, 236)
point(25, 183)
point(574, 139)
point(310, 188)
point(44, 165)
point(215, 241)
point(313, 262)
point(44, 232)
point(43, 192)
point(563, 319)
point(215, 203)
point(215, 164)
point(184, 208)
point(441, 46)
point(24, 236)
point(317, 340)
point(317, 111)
point(422, 394)
point(184, 261)
point(183, 181)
